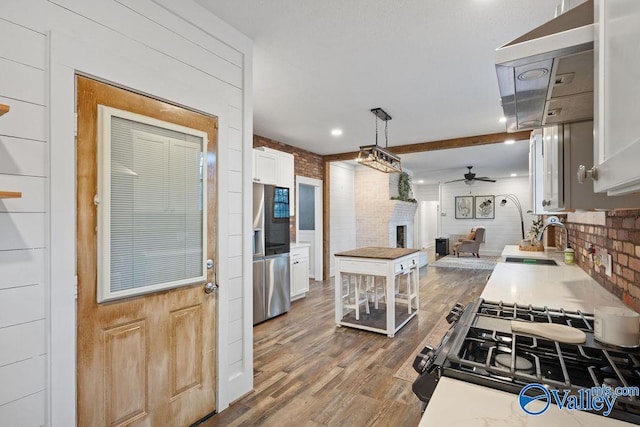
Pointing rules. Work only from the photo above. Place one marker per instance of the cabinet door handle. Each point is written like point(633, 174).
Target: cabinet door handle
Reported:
point(584, 173)
point(296, 262)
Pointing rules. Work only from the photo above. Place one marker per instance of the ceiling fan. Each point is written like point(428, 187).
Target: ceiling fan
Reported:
point(470, 178)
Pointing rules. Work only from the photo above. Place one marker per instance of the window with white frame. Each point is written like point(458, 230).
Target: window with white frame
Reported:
point(152, 206)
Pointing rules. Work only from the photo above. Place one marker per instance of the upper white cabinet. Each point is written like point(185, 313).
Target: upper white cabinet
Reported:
point(564, 149)
point(265, 166)
point(552, 160)
point(273, 167)
point(617, 90)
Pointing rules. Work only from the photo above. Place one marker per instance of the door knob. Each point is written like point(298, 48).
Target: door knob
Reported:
point(584, 173)
point(210, 288)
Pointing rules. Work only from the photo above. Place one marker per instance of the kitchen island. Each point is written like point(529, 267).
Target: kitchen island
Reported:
point(371, 263)
point(561, 286)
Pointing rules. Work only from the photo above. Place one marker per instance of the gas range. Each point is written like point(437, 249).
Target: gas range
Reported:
point(481, 348)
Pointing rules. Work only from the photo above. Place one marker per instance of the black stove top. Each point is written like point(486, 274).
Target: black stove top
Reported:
point(576, 319)
point(481, 348)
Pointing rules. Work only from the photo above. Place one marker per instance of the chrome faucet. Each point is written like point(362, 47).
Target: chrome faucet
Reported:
point(555, 221)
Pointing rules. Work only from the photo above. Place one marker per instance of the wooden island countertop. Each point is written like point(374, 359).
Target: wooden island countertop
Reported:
point(379, 253)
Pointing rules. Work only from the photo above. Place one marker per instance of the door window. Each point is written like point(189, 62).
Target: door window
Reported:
point(151, 216)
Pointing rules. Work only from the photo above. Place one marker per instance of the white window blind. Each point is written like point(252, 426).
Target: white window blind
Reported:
point(152, 215)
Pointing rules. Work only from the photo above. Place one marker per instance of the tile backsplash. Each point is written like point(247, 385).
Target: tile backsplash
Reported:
point(620, 236)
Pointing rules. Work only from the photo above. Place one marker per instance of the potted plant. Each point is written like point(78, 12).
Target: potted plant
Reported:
point(404, 189)
point(534, 231)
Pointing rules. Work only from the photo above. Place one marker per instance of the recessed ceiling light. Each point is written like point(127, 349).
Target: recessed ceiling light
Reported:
point(421, 181)
point(510, 141)
point(502, 119)
point(336, 132)
point(514, 174)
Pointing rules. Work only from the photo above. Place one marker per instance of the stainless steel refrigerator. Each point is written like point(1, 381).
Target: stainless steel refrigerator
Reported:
point(271, 287)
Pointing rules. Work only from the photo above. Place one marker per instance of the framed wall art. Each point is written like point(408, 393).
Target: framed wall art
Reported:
point(485, 207)
point(464, 207)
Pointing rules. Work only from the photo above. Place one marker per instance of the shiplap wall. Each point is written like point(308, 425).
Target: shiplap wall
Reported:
point(427, 192)
point(173, 50)
point(504, 229)
point(23, 168)
point(342, 202)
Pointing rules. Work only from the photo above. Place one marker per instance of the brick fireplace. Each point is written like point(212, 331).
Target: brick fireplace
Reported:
point(378, 218)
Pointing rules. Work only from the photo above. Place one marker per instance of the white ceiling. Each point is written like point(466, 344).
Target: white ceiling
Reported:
point(429, 64)
point(495, 161)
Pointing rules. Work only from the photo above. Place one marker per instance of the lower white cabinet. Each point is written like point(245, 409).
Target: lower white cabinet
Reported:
point(299, 259)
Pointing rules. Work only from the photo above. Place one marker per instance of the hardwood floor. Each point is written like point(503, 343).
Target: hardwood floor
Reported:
point(308, 372)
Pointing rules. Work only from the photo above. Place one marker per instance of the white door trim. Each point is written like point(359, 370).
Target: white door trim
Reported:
point(317, 262)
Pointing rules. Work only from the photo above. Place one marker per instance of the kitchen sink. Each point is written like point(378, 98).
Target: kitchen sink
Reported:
point(537, 261)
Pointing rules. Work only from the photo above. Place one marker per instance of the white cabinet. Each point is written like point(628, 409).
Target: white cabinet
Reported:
point(536, 195)
point(552, 160)
point(265, 166)
point(299, 271)
point(617, 90)
point(275, 167)
point(546, 180)
point(564, 149)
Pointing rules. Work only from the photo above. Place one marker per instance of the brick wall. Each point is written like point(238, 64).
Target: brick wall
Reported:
point(377, 216)
point(305, 163)
point(621, 237)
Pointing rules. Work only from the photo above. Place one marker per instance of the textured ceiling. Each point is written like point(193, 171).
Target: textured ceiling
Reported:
point(429, 63)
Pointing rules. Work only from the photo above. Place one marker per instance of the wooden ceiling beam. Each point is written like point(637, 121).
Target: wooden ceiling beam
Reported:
point(467, 141)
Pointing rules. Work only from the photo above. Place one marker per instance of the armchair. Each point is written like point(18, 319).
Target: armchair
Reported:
point(471, 243)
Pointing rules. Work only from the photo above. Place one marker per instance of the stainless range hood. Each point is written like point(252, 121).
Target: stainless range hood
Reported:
point(546, 76)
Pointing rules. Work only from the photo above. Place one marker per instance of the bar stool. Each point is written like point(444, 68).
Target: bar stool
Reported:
point(377, 289)
point(410, 292)
point(354, 293)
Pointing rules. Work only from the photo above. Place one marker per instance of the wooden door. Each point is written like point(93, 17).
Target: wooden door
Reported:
point(147, 360)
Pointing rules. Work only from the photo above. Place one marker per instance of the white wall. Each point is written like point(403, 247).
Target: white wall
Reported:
point(342, 201)
point(427, 216)
point(504, 229)
point(428, 221)
point(23, 224)
point(171, 50)
point(427, 192)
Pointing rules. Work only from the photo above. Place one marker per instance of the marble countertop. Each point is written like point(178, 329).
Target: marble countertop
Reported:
point(561, 286)
point(461, 404)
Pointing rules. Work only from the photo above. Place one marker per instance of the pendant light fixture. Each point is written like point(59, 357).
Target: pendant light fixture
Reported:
point(377, 157)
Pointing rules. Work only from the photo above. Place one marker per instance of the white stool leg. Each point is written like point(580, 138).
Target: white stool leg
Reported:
point(363, 289)
point(376, 288)
point(409, 295)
